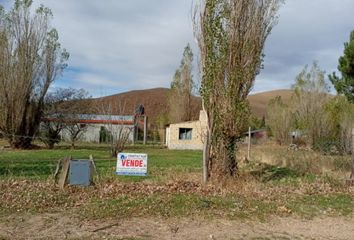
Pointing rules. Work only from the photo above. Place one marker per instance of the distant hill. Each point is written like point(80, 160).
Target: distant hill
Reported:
point(155, 102)
point(259, 101)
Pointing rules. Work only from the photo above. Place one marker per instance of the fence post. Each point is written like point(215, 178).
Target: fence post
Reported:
point(65, 171)
point(352, 172)
point(145, 129)
point(249, 144)
point(206, 158)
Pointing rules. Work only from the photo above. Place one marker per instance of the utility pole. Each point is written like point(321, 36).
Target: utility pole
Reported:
point(352, 173)
point(249, 144)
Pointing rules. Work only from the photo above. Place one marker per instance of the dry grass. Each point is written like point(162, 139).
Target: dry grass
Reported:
point(302, 160)
point(244, 197)
point(303, 184)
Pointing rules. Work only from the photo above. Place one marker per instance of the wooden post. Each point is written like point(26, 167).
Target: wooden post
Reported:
point(133, 142)
point(350, 181)
point(352, 173)
point(249, 144)
point(65, 171)
point(163, 140)
point(206, 158)
point(145, 129)
point(95, 168)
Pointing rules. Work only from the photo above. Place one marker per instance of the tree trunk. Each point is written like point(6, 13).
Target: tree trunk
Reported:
point(51, 145)
point(230, 156)
point(21, 142)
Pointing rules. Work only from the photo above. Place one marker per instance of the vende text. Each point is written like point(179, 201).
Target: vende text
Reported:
point(132, 163)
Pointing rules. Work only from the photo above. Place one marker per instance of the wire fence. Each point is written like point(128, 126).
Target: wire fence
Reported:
point(37, 162)
point(34, 160)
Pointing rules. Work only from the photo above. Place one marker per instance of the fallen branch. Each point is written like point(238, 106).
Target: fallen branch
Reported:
point(105, 227)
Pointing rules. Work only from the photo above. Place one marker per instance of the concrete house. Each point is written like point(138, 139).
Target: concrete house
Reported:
point(187, 135)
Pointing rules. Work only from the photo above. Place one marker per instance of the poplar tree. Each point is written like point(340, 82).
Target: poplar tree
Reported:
point(31, 58)
point(231, 35)
point(181, 89)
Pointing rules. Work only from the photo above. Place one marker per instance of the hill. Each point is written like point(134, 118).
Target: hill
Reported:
point(156, 104)
point(259, 101)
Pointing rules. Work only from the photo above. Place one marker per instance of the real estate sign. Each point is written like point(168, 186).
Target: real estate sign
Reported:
point(133, 164)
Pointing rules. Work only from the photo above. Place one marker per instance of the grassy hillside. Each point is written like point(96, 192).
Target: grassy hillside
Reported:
point(155, 102)
point(259, 101)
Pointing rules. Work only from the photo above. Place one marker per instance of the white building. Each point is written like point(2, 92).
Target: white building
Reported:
point(97, 128)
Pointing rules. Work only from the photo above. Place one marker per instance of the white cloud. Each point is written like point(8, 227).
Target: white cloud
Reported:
point(137, 44)
point(307, 31)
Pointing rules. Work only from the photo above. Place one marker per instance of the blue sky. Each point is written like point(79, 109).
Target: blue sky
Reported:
point(117, 45)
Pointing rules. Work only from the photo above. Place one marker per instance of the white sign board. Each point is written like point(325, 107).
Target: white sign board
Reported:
point(134, 164)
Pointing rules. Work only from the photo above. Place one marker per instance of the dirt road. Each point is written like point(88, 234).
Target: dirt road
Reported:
point(56, 226)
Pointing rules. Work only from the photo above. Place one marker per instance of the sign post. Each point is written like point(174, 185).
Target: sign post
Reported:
point(132, 164)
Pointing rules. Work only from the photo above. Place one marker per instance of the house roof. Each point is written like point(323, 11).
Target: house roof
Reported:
point(91, 119)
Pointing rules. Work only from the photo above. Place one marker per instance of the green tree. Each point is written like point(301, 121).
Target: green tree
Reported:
point(280, 120)
point(256, 123)
point(340, 116)
point(30, 60)
point(231, 37)
point(311, 93)
point(181, 89)
point(345, 83)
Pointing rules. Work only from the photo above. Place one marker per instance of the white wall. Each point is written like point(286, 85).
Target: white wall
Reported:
point(92, 133)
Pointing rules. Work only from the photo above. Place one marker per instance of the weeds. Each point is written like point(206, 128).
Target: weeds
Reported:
point(328, 204)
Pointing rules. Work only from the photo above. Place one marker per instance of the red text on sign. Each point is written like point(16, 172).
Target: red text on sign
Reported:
point(132, 163)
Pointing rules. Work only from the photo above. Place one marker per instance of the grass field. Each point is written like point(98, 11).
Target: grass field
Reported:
point(42, 163)
point(173, 187)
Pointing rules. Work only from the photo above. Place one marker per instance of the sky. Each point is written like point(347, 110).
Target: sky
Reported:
point(117, 45)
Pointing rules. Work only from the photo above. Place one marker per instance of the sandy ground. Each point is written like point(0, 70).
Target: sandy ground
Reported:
point(56, 226)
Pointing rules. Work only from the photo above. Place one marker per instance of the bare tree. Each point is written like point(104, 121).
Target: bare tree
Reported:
point(62, 109)
point(30, 60)
point(75, 129)
point(120, 134)
point(73, 109)
point(120, 139)
point(50, 133)
point(231, 36)
point(310, 97)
